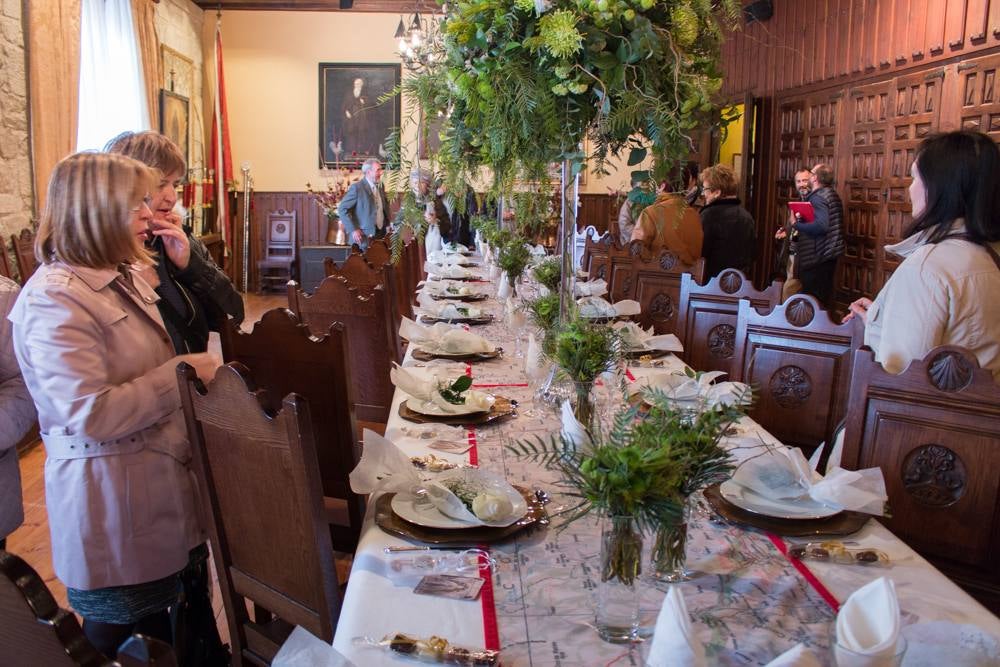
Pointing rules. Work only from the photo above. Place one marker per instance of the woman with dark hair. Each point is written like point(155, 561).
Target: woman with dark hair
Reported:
point(944, 291)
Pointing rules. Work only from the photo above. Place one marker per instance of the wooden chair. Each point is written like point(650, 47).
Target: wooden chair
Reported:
point(621, 269)
point(5, 261)
point(367, 319)
point(934, 429)
point(364, 277)
point(34, 631)
point(706, 320)
point(24, 253)
point(799, 362)
point(279, 250)
point(260, 485)
point(284, 358)
point(378, 253)
point(656, 285)
point(596, 256)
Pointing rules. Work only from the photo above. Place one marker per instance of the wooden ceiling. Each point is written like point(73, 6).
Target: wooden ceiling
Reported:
point(393, 6)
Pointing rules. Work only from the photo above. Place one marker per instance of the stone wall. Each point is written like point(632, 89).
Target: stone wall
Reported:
point(16, 190)
point(179, 28)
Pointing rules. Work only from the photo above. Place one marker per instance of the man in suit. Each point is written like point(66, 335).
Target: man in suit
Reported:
point(364, 210)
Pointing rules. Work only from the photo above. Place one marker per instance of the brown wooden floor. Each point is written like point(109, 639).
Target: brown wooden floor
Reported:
point(32, 542)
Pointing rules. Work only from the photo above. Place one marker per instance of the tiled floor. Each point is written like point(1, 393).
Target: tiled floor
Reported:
point(31, 541)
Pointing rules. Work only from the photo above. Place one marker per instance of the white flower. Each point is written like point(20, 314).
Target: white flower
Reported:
point(492, 507)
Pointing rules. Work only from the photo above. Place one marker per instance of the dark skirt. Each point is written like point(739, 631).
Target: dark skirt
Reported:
point(126, 604)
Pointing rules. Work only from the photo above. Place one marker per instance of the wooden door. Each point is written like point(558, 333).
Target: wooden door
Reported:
point(863, 190)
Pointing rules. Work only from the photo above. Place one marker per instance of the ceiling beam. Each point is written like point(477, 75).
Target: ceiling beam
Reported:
point(390, 6)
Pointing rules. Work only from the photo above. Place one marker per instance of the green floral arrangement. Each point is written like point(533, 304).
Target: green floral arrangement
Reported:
point(583, 350)
point(643, 468)
point(548, 273)
point(513, 257)
point(544, 313)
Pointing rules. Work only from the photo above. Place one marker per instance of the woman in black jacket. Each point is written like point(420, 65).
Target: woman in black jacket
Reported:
point(729, 231)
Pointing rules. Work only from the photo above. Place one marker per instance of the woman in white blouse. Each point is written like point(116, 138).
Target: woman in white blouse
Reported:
point(945, 290)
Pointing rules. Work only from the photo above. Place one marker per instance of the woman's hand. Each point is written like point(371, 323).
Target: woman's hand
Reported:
point(175, 241)
point(858, 309)
point(204, 364)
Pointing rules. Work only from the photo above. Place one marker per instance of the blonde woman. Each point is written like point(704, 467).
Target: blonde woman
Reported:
point(101, 370)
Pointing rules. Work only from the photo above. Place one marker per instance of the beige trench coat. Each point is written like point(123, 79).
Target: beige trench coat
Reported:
point(119, 490)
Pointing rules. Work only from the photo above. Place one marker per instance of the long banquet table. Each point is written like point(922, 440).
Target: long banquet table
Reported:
point(751, 603)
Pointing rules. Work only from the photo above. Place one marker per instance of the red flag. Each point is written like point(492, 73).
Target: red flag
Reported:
point(221, 159)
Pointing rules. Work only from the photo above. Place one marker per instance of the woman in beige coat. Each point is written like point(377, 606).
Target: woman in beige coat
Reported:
point(101, 370)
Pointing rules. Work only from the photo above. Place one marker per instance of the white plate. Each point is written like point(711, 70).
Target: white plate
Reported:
point(435, 410)
point(421, 512)
point(799, 508)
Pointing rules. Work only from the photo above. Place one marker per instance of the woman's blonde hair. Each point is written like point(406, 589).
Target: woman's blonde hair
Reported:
point(88, 209)
point(722, 178)
point(151, 148)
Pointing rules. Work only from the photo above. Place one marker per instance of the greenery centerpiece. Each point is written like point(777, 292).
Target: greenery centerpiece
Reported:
point(548, 273)
point(637, 475)
point(512, 258)
point(583, 350)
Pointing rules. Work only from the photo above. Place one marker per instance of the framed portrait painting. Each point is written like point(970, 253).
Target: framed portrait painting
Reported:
point(353, 125)
point(174, 120)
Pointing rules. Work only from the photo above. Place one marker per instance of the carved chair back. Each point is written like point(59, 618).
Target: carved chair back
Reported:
point(378, 253)
point(934, 429)
point(367, 319)
point(799, 362)
point(279, 249)
point(283, 358)
point(24, 253)
point(260, 484)
point(364, 277)
point(36, 631)
point(656, 285)
point(706, 321)
point(4, 261)
point(621, 269)
point(596, 259)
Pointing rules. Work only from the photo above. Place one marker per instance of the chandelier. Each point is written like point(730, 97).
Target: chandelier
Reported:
point(419, 38)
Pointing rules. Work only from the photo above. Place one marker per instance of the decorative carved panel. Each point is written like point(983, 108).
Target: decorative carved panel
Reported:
point(790, 386)
point(668, 260)
point(934, 475)
point(721, 341)
point(800, 312)
point(950, 371)
point(662, 307)
point(730, 282)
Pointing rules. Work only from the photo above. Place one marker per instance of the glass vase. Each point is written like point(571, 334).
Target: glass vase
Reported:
point(669, 555)
point(617, 617)
point(583, 405)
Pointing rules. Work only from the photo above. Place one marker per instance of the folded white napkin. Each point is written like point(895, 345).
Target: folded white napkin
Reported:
point(572, 430)
point(868, 624)
point(674, 643)
point(537, 250)
point(503, 289)
point(784, 473)
point(425, 387)
point(455, 247)
point(443, 338)
point(432, 241)
point(383, 468)
point(444, 258)
point(595, 306)
point(426, 305)
point(534, 363)
point(447, 288)
point(304, 649)
point(597, 287)
point(638, 338)
point(448, 271)
point(493, 503)
point(797, 656)
point(695, 392)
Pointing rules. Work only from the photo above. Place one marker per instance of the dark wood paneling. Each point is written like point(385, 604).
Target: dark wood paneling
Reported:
point(596, 210)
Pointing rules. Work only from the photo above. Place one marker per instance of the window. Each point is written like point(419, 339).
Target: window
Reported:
point(112, 91)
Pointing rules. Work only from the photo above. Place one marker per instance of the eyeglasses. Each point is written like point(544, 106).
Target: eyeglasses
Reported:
point(147, 201)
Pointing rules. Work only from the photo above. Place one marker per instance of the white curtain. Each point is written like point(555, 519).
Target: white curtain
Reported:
point(112, 89)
